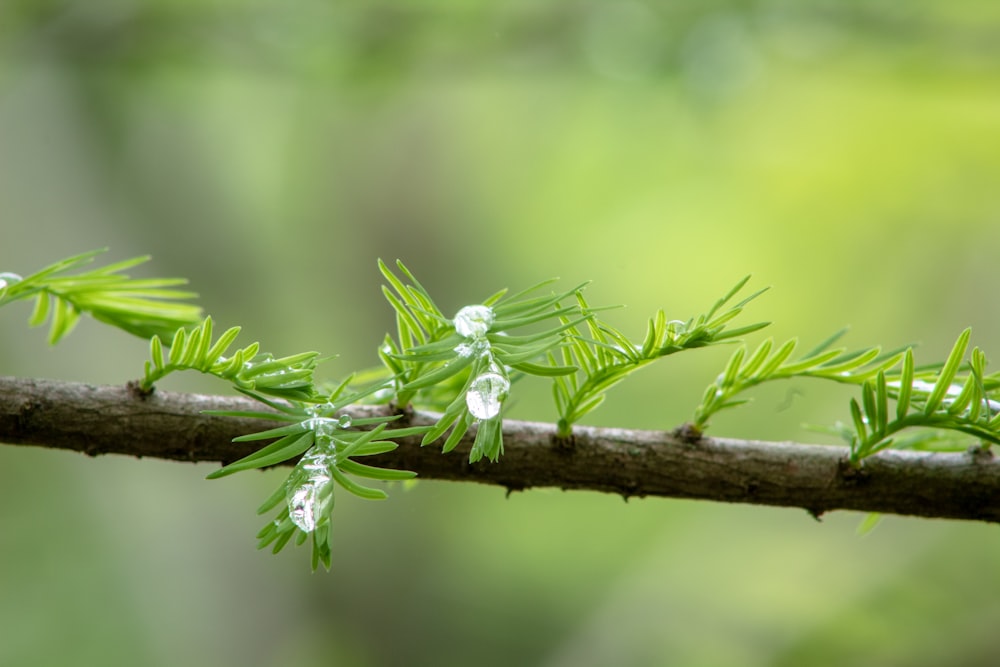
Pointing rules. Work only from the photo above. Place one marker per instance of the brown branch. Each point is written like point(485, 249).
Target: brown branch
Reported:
point(110, 419)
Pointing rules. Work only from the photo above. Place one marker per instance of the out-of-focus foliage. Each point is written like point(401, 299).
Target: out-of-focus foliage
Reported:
point(142, 307)
point(848, 154)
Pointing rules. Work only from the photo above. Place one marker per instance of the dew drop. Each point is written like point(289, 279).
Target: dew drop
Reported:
point(323, 427)
point(302, 506)
point(345, 421)
point(317, 462)
point(486, 394)
point(474, 321)
point(678, 328)
point(305, 501)
point(318, 409)
point(477, 347)
point(7, 279)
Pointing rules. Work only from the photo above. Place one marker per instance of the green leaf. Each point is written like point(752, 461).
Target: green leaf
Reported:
point(277, 452)
point(778, 358)
point(859, 422)
point(357, 489)
point(947, 374)
point(541, 370)
point(460, 428)
point(362, 470)
point(156, 352)
point(440, 374)
point(41, 310)
point(905, 386)
point(881, 404)
point(756, 360)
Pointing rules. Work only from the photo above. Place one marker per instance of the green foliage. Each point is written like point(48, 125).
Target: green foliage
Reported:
point(141, 307)
point(605, 356)
point(321, 436)
point(474, 352)
point(286, 377)
point(937, 398)
point(743, 372)
point(464, 366)
point(945, 400)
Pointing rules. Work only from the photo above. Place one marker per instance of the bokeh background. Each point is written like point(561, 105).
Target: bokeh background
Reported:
point(845, 153)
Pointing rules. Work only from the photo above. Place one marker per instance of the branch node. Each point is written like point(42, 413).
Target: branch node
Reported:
point(688, 433)
point(24, 414)
point(564, 443)
point(981, 453)
point(816, 513)
point(406, 411)
point(137, 391)
point(852, 474)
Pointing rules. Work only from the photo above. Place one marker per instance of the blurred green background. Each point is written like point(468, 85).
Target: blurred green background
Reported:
point(845, 153)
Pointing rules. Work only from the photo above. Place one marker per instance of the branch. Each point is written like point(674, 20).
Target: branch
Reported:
point(110, 419)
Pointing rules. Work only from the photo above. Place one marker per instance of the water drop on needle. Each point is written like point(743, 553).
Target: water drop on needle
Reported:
point(305, 500)
point(7, 279)
point(486, 395)
point(474, 321)
point(302, 507)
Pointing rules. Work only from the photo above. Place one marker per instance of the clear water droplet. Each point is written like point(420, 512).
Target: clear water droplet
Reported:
point(345, 421)
point(302, 506)
point(474, 321)
point(477, 347)
point(323, 427)
point(486, 395)
point(677, 327)
point(306, 500)
point(7, 279)
point(317, 462)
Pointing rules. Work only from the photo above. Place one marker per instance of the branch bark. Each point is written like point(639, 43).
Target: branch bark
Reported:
point(114, 419)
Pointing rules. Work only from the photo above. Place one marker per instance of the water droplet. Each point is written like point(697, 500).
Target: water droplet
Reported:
point(474, 321)
point(323, 427)
point(7, 279)
point(477, 347)
point(306, 500)
point(345, 421)
point(302, 506)
point(317, 462)
point(486, 394)
point(318, 409)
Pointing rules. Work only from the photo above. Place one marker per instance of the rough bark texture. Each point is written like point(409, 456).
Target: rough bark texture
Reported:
point(112, 419)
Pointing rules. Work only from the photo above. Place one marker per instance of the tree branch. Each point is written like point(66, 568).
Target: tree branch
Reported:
point(111, 419)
